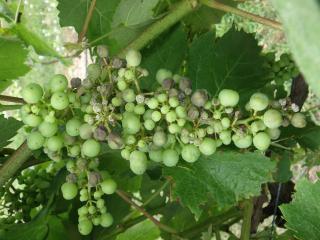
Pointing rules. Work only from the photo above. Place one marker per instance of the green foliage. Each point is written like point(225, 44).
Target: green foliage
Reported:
point(145, 230)
point(233, 61)
point(302, 214)
point(8, 128)
point(12, 65)
point(300, 20)
point(227, 177)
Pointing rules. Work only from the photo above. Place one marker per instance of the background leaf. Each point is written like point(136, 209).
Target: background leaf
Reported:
point(145, 230)
point(13, 56)
point(302, 214)
point(8, 129)
point(301, 24)
point(233, 61)
point(168, 52)
point(225, 176)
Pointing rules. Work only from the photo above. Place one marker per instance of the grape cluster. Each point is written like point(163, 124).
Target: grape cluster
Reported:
point(282, 70)
point(170, 124)
point(27, 192)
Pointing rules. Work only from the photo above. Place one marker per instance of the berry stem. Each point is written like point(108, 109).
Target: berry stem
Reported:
point(14, 163)
point(247, 214)
point(265, 21)
point(87, 21)
point(164, 227)
point(178, 11)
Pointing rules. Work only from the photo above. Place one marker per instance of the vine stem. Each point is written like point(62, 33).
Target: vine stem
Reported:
point(178, 11)
point(14, 163)
point(265, 21)
point(127, 199)
point(11, 99)
point(247, 215)
point(87, 21)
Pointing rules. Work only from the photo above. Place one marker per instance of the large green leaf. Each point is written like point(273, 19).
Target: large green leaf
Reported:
point(8, 129)
point(167, 52)
point(303, 213)
point(225, 176)
point(13, 56)
point(233, 61)
point(145, 230)
point(301, 24)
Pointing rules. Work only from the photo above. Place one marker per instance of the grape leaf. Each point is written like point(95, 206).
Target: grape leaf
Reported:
point(131, 13)
point(13, 56)
point(145, 230)
point(225, 176)
point(301, 24)
point(302, 214)
point(233, 61)
point(168, 52)
point(9, 128)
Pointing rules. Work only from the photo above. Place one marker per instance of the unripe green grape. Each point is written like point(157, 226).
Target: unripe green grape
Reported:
point(96, 221)
point(173, 102)
point(83, 211)
point(69, 190)
point(74, 151)
point(35, 140)
point(128, 95)
point(85, 98)
point(59, 100)
point(133, 58)
point(138, 162)
point(149, 124)
point(171, 140)
point(152, 103)
point(139, 109)
point(274, 133)
point(32, 120)
point(171, 116)
point(298, 120)
point(159, 138)
point(55, 143)
point(85, 227)
point(91, 148)
point(217, 126)
point(35, 109)
point(58, 83)
point(85, 131)
point(208, 105)
point(210, 130)
point(163, 74)
point(181, 112)
point(72, 97)
point(208, 146)
point(131, 123)
point(181, 122)
point(94, 71)
point(201, 132)
point(242, 141)
point(272, 118)
point(129, 74)
point(257, 126)
point(162, 97)
point(170, 157)
point(122, 85)
point(97, 195)
point(156, 116)
point(125, 153)
point(106, 220)
point(48, 129)
point(108, 186)
point(217, 114)
point(100, 203)
point(174, 128)
point(92, 209)
point(190, 153)
point(130, 139)
point(155, 155)
point(73, 127)
point(32, 93)
point(83, 192)
point(165, 109)
point(102, 51)
point(225, 122)
point(83, 198)
point(259, 101)
point(129, 107)
point(228, 98)
point(225, 137)
point(116, 101)
point(261, 141)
